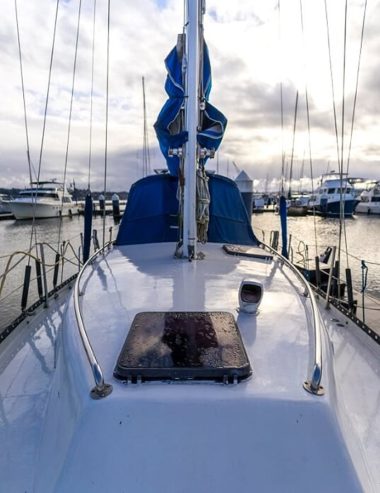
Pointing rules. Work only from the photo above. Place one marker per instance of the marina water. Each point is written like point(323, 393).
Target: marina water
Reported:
point(362, 236)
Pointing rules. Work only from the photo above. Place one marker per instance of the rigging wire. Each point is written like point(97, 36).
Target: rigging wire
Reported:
point(282, 107)
point(309, 133)
point(356, 85)
point(353, 112)
point(332, 83)
point(342, 204)
point(91, 97)
point(70, 117)
point(33, 229)
point(47, 94)
point(25, 112)
point(292, 155)
point(340, 148)
point(106, 129)
point(23, 95)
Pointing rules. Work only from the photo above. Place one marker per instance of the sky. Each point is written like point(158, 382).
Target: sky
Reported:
point(255, 49)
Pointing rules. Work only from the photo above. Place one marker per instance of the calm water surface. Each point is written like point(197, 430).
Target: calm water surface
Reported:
point(362, 236)
point(362, 233)
point(15, 236)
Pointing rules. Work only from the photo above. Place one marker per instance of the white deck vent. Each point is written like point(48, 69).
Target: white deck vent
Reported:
point(250, 295)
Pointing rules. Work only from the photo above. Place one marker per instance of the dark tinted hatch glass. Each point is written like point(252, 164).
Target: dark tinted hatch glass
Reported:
point(183, 346)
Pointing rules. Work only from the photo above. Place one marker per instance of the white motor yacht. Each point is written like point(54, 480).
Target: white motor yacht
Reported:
point(369, 200)
point(332, 192)
point(42, 200)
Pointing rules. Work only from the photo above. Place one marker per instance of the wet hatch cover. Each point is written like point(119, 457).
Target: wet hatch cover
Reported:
point(183, 346)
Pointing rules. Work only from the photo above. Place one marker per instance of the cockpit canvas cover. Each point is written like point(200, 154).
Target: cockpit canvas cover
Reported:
point(151, 215)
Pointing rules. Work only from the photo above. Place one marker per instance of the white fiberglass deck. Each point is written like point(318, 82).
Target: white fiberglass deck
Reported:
point(26, 374)
point(142, 278)
point(263, 434)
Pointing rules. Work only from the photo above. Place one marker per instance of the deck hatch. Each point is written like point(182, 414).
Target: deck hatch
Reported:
point(183, 346)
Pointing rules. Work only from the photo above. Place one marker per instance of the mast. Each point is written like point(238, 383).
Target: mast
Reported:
point(194, 14)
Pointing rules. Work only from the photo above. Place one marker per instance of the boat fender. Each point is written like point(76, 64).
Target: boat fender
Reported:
point(250, 295)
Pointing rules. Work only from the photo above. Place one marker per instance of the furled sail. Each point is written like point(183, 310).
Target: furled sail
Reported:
point(169, 126)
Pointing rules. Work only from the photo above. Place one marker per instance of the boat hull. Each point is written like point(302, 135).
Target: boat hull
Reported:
point(332, 209)
point(4, 207)
point(297, 210)
point(368, 208)
point(40, 210)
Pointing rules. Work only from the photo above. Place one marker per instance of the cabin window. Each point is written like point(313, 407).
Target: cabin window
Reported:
point(39, 193)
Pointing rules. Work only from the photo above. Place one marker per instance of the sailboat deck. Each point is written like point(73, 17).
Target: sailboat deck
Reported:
point(283, 434)
point(135, 279)
point(194, 428)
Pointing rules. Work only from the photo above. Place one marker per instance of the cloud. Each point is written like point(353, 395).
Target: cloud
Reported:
point(249, 60)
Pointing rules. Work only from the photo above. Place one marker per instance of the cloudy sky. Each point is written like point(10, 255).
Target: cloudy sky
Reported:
point(253, 49)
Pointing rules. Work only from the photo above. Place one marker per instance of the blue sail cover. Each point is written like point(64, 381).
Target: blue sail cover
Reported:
point(151, 214)
point(169, 126)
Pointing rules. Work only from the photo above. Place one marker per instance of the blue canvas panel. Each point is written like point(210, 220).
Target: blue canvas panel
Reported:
point(169, 125)
point(151, 214)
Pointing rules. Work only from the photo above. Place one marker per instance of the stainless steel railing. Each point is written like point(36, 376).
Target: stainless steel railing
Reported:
point(313, 382)
point(101, 388)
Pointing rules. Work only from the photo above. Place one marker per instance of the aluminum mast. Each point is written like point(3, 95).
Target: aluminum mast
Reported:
point(194, 14)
